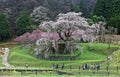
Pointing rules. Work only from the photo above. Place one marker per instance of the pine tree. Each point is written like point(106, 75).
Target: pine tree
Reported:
point(115, 22)
point(110, 9)
point(107, 8)
point(84, 9)
point(23, 22)
point(4, 28)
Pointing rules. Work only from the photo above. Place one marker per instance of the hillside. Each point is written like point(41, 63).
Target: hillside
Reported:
point(14, 7)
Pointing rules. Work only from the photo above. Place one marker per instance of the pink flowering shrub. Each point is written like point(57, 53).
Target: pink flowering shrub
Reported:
point(34, 36)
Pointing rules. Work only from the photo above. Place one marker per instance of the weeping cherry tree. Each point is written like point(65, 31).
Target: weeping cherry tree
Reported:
point(69, 28)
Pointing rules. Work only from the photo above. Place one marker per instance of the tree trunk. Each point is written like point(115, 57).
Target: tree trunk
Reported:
point(61, 48)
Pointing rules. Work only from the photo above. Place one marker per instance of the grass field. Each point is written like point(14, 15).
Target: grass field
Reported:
point(20, 56)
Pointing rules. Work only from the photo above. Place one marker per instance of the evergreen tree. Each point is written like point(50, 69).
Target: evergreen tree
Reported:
point(84, 9)
point(74, 8)
point(23, 23)
point(110, 9)
point(4, 28)
point(115, 22)
point(107, 8)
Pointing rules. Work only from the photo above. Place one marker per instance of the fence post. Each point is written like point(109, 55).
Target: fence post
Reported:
point(94, 72)
point(106, 68)
point(70, 67)
point(108, 73)
point(117, 68)
point(79, 67)
point(36, 72)
point(21, 73)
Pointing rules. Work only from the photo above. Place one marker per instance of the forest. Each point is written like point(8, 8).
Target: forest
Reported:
point(21, 9)
point(15, 10)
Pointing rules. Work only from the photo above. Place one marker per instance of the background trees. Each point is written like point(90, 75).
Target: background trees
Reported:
point(110, 10)
point(107, 8)
point(84, 9)
point(23, 23)
point(115, 22)
point(4, 28)
point(102, 8)
point(40, 14)
point(13, 9)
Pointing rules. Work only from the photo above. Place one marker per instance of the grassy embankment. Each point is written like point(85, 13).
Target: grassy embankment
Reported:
point(19, 56)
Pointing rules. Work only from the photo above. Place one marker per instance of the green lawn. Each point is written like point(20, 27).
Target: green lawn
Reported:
point(19, 56)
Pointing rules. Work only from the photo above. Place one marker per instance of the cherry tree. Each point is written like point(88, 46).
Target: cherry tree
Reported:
point(61, 35)
point(70, 27)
